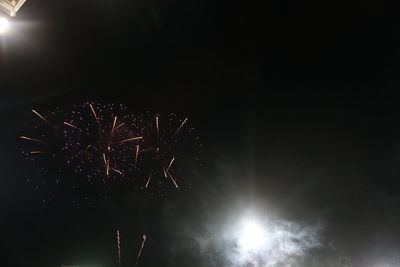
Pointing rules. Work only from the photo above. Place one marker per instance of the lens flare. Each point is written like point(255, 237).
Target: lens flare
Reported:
point(252, 235)
point(4, 25)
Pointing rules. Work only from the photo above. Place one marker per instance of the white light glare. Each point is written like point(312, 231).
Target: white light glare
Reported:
point(3, 25)
point(252, 236)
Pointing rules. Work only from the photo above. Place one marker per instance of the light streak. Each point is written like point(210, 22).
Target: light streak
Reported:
point(170, 164)
point(137, 154)
point(132, 139)
point(106, 163)
point(117, 171)
point(116, 128)
point(41, 117)
point(108, 167)
point(118, 248)
point(157, 128)
point(148, 180)
point(180, 127)
point(72, 126)
point(31, 139)
point(173, 180)
point(115, 121)
point(38, 152)
point(94, 113)
point(141, 248)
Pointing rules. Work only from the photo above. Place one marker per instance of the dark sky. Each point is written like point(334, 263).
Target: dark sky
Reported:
point(293, 101)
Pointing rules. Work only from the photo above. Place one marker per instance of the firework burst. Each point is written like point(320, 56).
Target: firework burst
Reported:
point(105, 146)
point(170, 155)
point(102, 141)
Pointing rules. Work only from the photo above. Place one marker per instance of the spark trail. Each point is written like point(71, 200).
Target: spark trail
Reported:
point(141, 248)
point(118, 248)
point(31, 139)
point(41, 117)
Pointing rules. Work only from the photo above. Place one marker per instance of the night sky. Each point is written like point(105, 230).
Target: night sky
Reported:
point(294, 102)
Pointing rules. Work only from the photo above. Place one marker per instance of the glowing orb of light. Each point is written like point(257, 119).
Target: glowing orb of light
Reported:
point(3, 25)
point(252, 236)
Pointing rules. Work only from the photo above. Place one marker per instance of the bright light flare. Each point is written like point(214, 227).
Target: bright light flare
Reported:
point(4, 25)
point(252, 235)
point(253, 239)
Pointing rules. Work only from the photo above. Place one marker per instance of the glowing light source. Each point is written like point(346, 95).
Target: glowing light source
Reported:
point(3, 25)
point(252, 235)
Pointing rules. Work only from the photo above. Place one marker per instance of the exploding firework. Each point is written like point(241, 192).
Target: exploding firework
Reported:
point(170, 155)
point(102, 141)
point(105, 146)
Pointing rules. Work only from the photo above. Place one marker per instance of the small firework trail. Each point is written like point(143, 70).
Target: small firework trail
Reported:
point(148, 179)
point(72, 126)
point(131, 139)
point(136, 154)
point(118, 247)
point(141, 248)
point(31, 139)
point(37, 152)
point(94, 113)
point(180, 126)
point(41, 117)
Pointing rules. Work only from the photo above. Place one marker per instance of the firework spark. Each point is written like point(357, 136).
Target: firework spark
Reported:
point(148, 180)
point(141, 247)
point(132, 139)
point(113, 127)
point(170, 164)
point(122, 124)
point(41, 117)
point(94, 114)
point(136, 154)
point(117, 171)
point(32, 139)
point(72, 126)
point(105, 159)
point(157, 128)
point(38, 152)
point(180, 127)
point(106, 164)
point(119, 248)
point(173, 180)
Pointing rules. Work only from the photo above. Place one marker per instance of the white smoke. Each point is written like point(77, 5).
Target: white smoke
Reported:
point(286, 243)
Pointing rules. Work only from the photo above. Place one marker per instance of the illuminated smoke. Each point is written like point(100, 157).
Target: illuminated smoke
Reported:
point(285, 244)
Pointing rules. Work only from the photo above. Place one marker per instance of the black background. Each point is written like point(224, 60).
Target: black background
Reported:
point(294, 100)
